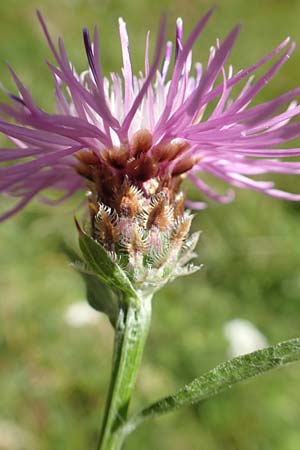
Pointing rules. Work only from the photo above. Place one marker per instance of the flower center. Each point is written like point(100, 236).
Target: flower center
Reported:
point(149, 167)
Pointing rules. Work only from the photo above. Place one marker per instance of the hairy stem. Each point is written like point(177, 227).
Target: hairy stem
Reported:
point(131, 333)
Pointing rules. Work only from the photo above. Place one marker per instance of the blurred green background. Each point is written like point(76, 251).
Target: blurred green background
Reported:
point(53, 377)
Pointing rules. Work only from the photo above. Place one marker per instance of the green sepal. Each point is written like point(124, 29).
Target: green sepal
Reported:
point(101, 264)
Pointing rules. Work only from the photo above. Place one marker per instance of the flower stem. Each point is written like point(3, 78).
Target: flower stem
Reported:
point(131, 333)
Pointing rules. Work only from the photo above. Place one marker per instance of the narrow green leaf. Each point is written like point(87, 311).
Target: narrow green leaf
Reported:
point(100, 263)
point(99, 296)
point(220, 378)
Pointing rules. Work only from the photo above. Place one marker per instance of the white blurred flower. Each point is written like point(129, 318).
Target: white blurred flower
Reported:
point(13, 437)
point(243, 337)
point(81, 314)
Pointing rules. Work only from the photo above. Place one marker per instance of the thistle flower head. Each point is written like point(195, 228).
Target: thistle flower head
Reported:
point(152, 129)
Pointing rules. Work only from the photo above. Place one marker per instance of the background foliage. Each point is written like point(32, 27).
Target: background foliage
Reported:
point(53, 377)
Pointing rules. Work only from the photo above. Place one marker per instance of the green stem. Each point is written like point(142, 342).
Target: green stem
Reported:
point(131, 333)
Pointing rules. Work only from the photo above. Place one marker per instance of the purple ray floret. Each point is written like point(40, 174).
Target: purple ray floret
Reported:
point(157, 125)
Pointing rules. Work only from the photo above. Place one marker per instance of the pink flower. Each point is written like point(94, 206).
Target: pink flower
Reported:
point(153, 128)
